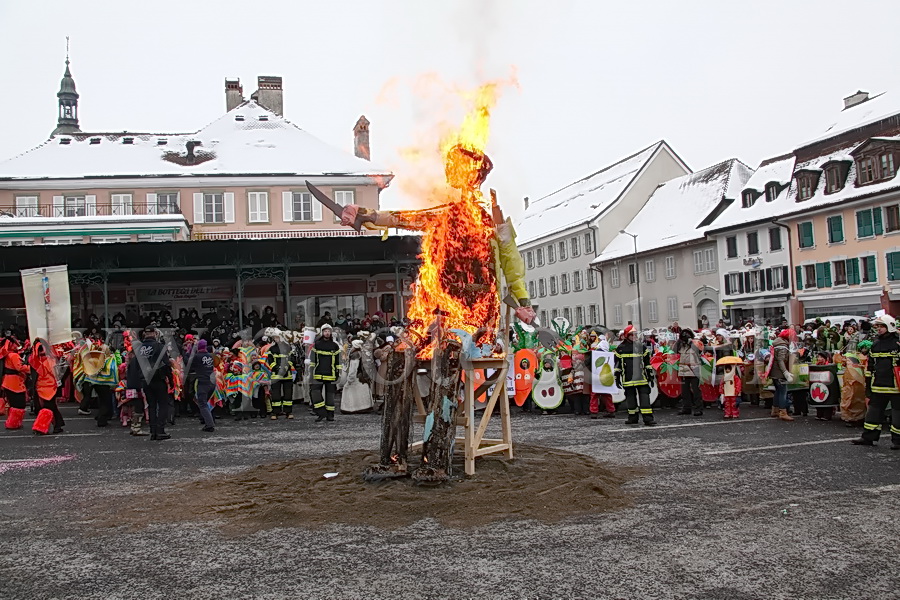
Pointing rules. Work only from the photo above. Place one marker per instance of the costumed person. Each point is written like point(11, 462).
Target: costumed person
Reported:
point(881, 383)
point(204, 384)
point(356, 395)
point(47, 383)
point(730, 386)
point(153, 371)
point(326, 365)
point(281, 383)
point(750, 380)
point(14, 373)
point(597, 341)
point(824, 413)
point(574, 385)
point(190, 375)
point(689, 351)
point(634, 374)
point(101, 375)
point(779, 370)
point(853, 390)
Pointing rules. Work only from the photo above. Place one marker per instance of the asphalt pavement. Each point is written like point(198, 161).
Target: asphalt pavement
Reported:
point(746, 509)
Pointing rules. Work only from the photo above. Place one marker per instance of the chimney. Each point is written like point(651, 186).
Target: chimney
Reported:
point(854, 99)
point(269, 94)
point(526, 202)
point(361, 138)
point(234, 94)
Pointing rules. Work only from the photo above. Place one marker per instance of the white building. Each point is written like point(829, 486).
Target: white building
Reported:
point(560, 233)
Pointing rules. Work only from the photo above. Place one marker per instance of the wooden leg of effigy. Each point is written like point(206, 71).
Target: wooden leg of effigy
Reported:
point(395, 422)
point(440, 420)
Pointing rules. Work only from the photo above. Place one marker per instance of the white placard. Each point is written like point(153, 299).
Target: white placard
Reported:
point(48, 304)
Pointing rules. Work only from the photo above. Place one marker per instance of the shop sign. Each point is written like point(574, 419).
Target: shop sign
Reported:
point(753, 262)
point(185, 293)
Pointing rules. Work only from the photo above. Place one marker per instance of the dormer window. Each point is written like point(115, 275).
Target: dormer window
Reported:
point(95, 141)
point(771, 192)
point(866, 168)
point(833, 179)
point(128, 140)
point(886, 162)
point(804, 187)
point(748, 198)
point(876, 160)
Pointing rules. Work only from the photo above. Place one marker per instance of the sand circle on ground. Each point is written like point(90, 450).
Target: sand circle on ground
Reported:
point(540, 483)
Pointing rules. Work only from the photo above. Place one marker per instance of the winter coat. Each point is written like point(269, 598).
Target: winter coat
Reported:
point(689, 359)
point(632, 363)
point(883, 357)
point(14, 370)
point(326, 360)
point(780, 360)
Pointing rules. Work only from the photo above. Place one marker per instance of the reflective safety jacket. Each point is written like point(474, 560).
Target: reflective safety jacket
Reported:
point(632, 363)
point(883, 357)
point(326, 360)
point(281, 364)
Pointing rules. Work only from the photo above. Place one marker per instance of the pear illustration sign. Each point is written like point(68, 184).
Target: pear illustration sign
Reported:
point(603, 380)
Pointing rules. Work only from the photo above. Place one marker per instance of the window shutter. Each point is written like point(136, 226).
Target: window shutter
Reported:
point(90, 205)
point(229, 207)
point(799, 277)
point(827, 269)
point(784, 278)
point(876, 220)
point(893, 266)
point(852, 271)
point(746, 287)
point(316, 210)
point(768, 280)
point(870, 269)
point(287, 201)
point(59, 206)
point(820, 275)
point(727, 285)
point(198, 207)
point(151, 204)
point(864, 223)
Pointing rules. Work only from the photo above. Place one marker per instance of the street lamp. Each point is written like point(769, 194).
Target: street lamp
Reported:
point(637, 276)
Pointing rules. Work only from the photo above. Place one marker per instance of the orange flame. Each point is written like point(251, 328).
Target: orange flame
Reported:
point(457, 285)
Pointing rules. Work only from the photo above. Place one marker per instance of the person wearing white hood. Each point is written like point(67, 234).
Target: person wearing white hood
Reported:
point(356, 395)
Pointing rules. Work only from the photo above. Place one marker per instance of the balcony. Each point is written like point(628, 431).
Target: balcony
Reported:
point(88, 210)
point(275, 235)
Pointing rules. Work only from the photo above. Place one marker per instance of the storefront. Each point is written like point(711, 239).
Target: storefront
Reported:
point(762, 309)
point(862, 303)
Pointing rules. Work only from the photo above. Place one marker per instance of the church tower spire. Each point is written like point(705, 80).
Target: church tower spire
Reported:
point(68, 102)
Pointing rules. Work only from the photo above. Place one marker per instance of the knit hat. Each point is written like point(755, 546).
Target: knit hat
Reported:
point(722, 332)
point(201, 346)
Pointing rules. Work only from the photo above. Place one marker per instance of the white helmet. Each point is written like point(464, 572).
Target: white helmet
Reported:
point(888, 321)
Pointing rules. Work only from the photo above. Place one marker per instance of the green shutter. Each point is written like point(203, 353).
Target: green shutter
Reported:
point(827, 274)
point(836, 225)
point(852, 271)
point(871, 274)
point(806, 235)
point(799, 278)
point(876, 218)
point(820, 275)
point(864, 223)
point(893, 266)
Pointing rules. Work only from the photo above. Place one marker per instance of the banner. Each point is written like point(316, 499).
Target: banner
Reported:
point(47, 303)
point(603, 368)
point(824, 387)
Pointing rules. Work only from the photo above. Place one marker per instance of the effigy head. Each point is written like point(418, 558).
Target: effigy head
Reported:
point(466, 169)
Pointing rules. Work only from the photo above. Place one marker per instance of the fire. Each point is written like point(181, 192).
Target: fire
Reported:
point(457, 285)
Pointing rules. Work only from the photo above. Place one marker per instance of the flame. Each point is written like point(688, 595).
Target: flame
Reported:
point(457, 285)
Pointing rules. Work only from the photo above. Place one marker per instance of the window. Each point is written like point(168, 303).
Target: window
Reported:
point(771, 192)
point(529, 259)
point(22, 242)
point(551, 254)
point(868, 223)
point(544, 317)
point(833, 179)
point(650, 270)
point(26, 206)
point(68, 241)
point(893, 265)
point(653, 310)
point(166, 203)
point(567, 314)
point(155, 237)
point(823, 275)
point(774, 239)
point(809, 272)
point(886, 162)
point(564, 283)
point(577, 281)
point(805, 234)
point(554, 313)
point(591, 279)
point(302, 206)
point(757, 281)
point(617, 314)
point(563, 251)
point(74, 206)
point(344, 198)
point(214, 208)
point(539, 255)
point(672, 303)
point(779, 276)
point(121, 204)
point(748, 198)
point(670, 267)
point(531, 293)
point(594, 314)
point(258, 203)
point(542, 287)
point(840, 272)
point(632, 273)
point(892, 218)
point(554, 285)
point(698, 262)
point(614, 276)
point(734, 283)
point(576, 246)
point(579, 315)
point(588, 242)
point(753, 242)
point(868, 269)
point(731, 247)
point(835, 229)
point(865, 167)
point(709, 260)
point(110, 239)
point(805, 187)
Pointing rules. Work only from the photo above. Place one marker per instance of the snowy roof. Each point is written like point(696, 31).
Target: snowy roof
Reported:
point(689, 199)
point(874, 109)
point(582, 200)
point(779, 169)
point(247, 140)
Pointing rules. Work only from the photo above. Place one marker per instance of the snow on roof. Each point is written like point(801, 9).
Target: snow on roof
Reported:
point(259, 143)
point(779, 169)
point(583, 199)
point(874, 109)
point(674, 211)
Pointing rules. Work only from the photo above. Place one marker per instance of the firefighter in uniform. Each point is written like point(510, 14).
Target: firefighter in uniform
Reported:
point(282, 380)
point(634, 374)
point(881, 383)
point(326, 366)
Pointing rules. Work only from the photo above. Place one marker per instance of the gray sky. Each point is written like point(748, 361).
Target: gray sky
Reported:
point(597, 80)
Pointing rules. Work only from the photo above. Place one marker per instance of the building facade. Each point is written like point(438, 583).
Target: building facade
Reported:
point(560, 234)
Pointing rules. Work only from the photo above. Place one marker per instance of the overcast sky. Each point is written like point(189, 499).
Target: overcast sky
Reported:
point(597, 80)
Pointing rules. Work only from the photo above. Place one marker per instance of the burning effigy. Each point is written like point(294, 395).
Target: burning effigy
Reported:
point(468, 252)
